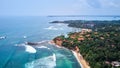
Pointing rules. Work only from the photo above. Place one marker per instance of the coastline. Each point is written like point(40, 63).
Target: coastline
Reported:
point(77, 55)
point(80, 59)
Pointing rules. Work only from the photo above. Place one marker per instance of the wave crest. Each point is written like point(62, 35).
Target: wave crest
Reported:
point(53, 28)
point(28, 48)
point(43, 47)
point(46, 62)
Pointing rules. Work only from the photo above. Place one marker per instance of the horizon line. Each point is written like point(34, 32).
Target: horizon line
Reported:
point(83, 15)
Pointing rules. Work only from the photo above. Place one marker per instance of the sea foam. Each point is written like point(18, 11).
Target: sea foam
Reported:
point(46, 62)
point(43, 47)
point(53, 28)
point(28, 48)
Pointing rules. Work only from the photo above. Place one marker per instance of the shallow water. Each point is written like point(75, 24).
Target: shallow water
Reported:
point(15, 54)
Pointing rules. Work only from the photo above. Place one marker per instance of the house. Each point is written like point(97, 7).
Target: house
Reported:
point(58, 41)
point(115, 63)
point(86, 30)
point(81, 38)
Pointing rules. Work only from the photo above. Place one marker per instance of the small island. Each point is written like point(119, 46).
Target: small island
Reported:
point(97, 45)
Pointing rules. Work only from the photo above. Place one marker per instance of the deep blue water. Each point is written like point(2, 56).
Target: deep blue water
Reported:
point(15, 54)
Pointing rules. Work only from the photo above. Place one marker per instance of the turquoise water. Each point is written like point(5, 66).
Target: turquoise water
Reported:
point(15, 54)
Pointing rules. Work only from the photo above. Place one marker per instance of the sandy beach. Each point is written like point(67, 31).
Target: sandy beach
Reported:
point(77, 55)
point(80, 59)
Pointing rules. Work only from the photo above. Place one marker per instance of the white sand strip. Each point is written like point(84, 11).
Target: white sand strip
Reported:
point(75, 54)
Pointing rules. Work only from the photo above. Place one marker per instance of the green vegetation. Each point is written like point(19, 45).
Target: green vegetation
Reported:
point(101, 47)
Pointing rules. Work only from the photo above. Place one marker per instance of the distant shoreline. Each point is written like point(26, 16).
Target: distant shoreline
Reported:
point(83, 16)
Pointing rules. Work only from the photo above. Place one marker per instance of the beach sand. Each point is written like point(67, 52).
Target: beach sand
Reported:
point(80, 59)
point(77, 55)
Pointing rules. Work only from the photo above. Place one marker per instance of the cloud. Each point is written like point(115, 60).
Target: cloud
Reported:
point(94, 3)
point(113, 4)
point(110, 4)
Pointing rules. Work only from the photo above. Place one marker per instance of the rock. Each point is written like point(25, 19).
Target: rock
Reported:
point(31, 43)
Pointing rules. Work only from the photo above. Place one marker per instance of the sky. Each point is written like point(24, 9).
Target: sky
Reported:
point(59, 7)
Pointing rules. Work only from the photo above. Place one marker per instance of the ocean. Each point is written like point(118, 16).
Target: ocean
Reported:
point(20, 29)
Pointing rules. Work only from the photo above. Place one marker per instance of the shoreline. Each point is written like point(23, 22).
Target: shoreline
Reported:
point(77, 55)
point(80, 59)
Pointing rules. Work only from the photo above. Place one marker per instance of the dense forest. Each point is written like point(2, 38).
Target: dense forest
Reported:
point(100, 47)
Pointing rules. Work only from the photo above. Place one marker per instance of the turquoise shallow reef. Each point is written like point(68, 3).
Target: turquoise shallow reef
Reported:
point(18, 30)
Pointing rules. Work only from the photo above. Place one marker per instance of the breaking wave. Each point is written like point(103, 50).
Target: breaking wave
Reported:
point(46, 62)
point(28, 48)
point(43, 44)
point(31, 49)
point(43, 47)
point(61, 24)
point(53, 28)
point(44, 41)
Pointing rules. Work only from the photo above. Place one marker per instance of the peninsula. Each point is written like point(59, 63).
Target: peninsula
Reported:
point(97, 45)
